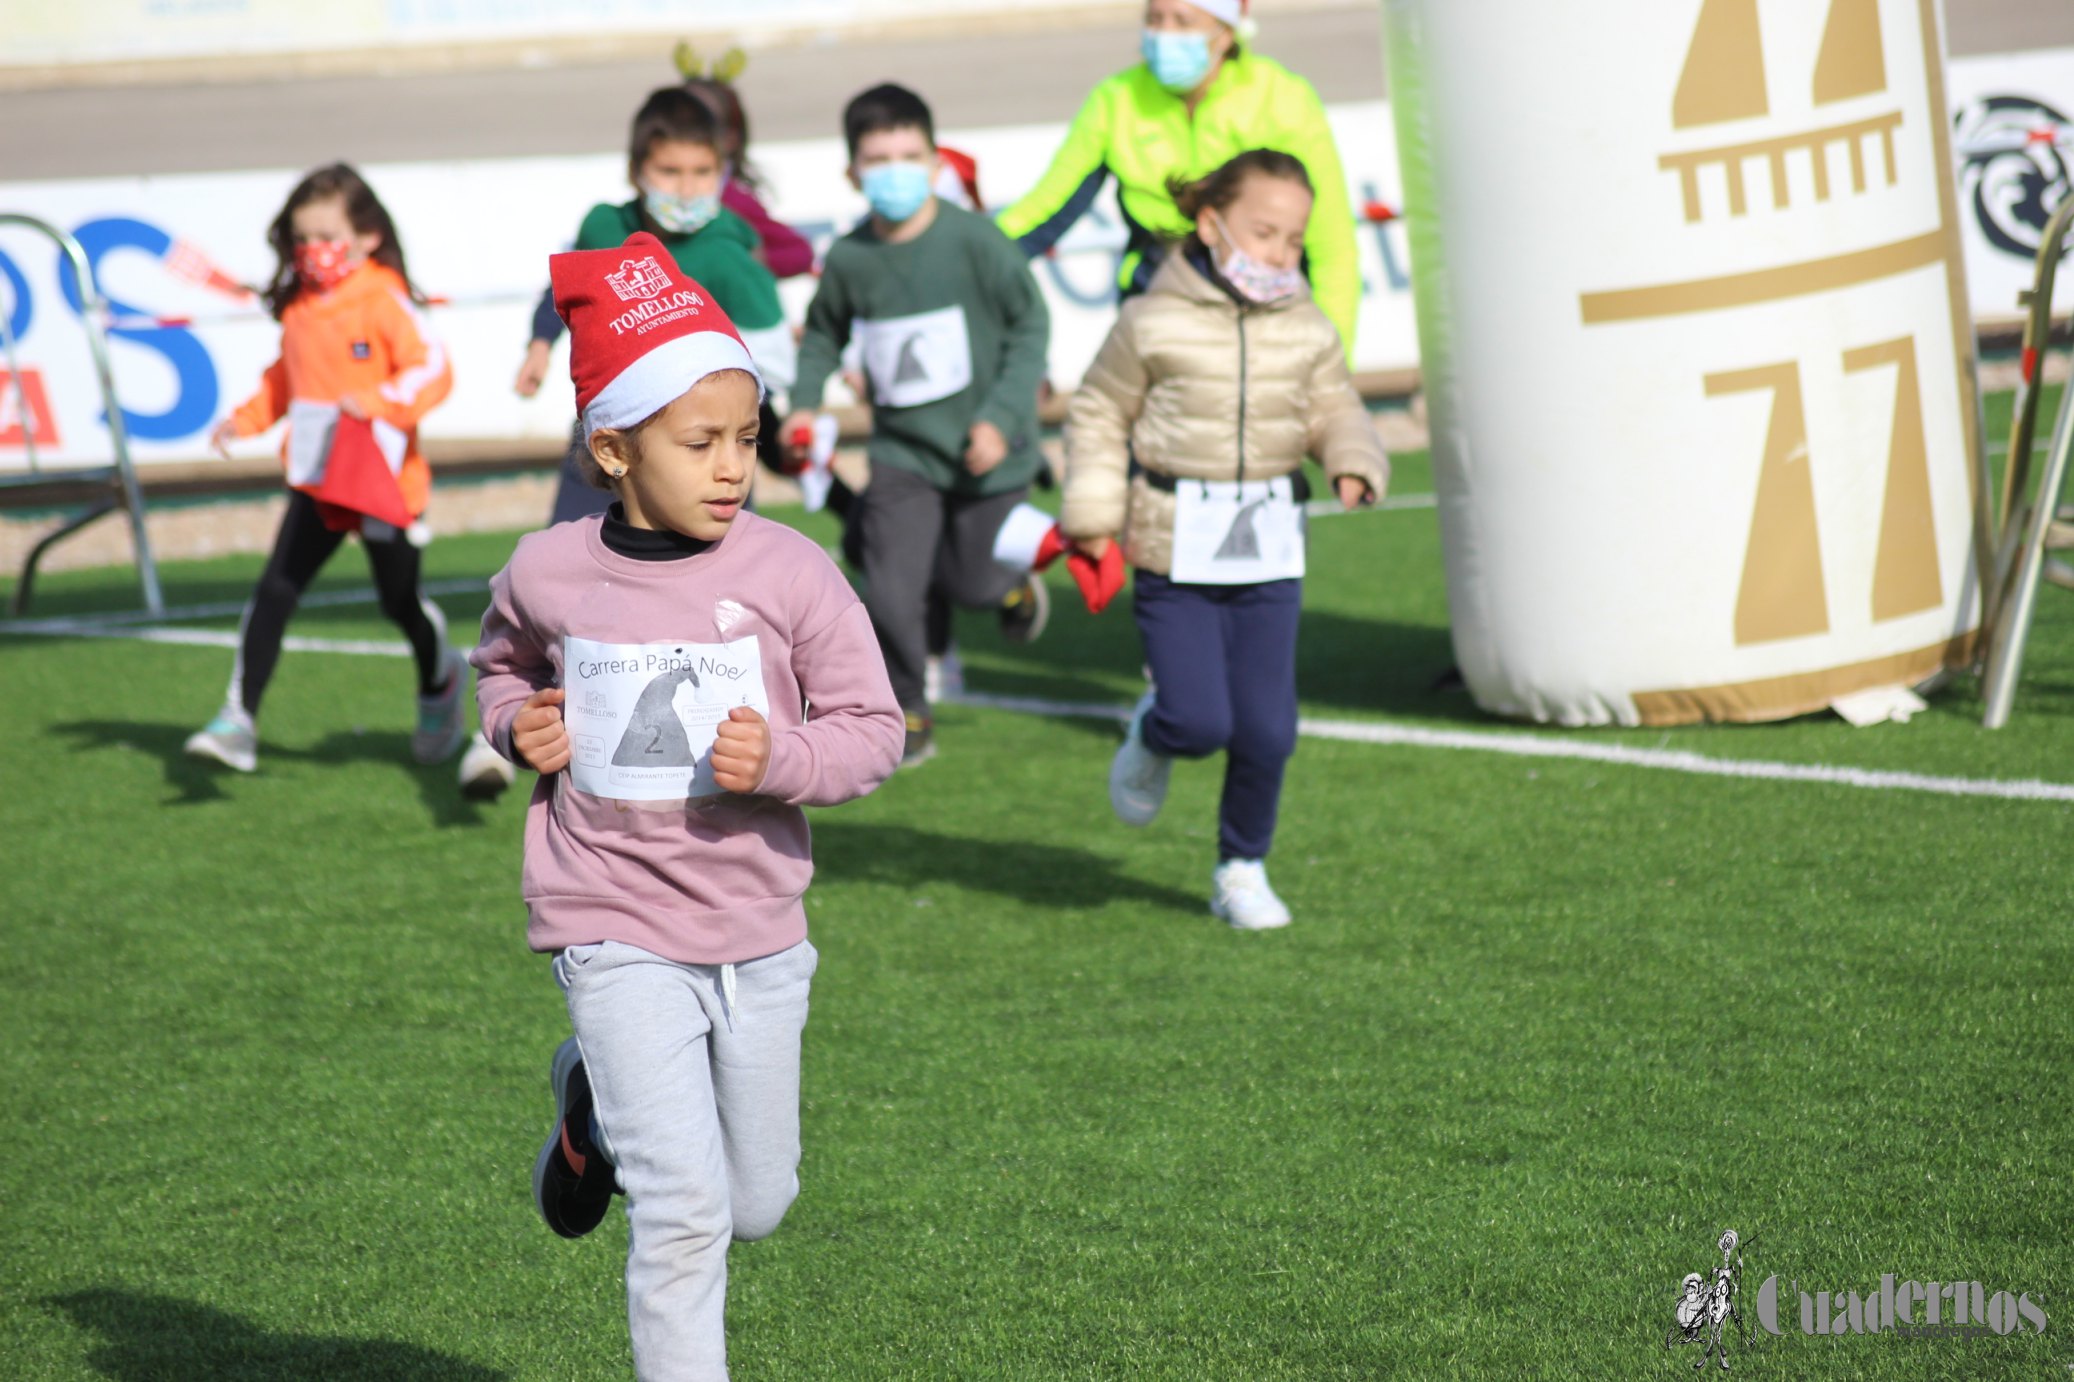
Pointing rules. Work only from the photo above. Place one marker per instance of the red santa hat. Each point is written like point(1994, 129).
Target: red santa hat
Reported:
point(641, 331)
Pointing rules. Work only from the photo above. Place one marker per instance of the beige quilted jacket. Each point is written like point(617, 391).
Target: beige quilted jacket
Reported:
point(1196, 387)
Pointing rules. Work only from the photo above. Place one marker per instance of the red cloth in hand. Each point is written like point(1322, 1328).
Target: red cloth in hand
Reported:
point(1051, 548)
point(1099, 581)
point(357, 479)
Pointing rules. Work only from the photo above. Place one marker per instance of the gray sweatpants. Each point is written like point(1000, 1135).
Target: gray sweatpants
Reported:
point(695, 1073)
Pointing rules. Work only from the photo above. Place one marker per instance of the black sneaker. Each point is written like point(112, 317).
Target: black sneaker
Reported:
point(1025, 611)
point(573, 1183)
point(921, 741)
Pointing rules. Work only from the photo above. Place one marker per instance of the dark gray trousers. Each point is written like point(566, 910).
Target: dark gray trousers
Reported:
point(913, 535)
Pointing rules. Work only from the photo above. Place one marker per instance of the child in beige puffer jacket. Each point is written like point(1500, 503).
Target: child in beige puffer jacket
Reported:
point(1186, 443)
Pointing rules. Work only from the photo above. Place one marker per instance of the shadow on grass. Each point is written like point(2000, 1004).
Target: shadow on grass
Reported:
point(166, 1340)
point(1342, 662)
point(196, 780)
point(1022, 870)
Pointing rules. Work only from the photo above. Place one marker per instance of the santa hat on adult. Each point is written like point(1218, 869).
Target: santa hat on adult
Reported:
point(642, 332)
point(1237, 13)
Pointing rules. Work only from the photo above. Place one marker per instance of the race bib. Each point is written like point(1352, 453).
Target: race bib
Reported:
point(1232, 533)
point(310, 429)
point(918, 359)
point(642, 717)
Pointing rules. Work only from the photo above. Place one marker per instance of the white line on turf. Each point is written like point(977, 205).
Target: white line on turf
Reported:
point(221, 638)
point(1548, 746)
point(1522, 745)
point(222, 609)
point(1331, 508)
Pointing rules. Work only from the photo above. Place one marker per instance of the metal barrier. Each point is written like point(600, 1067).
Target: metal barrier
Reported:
point(116, 481)
point(2028, 525)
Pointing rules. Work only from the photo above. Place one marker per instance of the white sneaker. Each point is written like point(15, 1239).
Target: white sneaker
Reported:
point(943, 678)
point(443, 716)
point(1137, 775)
point(1239, 893)
point(485, 773)
point(229, 739)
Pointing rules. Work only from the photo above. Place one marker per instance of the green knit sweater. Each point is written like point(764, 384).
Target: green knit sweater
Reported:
point(721, 256)
point(954, 332)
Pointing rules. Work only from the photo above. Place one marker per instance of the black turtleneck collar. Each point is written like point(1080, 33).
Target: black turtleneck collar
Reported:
point(647, 544)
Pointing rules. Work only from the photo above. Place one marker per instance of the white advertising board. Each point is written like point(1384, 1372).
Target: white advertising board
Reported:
point(477, 235)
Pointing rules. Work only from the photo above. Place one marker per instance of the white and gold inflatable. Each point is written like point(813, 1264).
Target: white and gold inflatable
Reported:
point(1696, 351)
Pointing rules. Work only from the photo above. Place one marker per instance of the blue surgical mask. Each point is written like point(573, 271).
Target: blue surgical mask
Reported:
point(896, 191)
point(680, 215)
point(1179, 59)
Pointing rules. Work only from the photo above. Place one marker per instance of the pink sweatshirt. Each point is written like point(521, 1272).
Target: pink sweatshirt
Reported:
point(715, 879)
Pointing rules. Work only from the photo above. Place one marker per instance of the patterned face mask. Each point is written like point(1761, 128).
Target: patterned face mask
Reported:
point(1255, 281)
point(681, 215)
point(322, 264)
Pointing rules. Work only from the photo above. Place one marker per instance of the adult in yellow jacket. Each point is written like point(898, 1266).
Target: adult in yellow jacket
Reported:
point(1197, 99)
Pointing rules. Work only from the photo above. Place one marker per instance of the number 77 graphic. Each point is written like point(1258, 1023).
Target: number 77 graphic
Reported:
point(1782, 593)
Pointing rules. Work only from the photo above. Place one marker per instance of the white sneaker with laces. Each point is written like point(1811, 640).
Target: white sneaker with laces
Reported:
point(1137, 775)
point(1239, 893)
point(229, 739)
point(485, 773)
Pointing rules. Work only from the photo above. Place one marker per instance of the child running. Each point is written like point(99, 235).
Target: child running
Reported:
point(677, 164)
point(1186, 443)
point(684, 677)
point(353, 345)
point(781, 249)
point(954, 333)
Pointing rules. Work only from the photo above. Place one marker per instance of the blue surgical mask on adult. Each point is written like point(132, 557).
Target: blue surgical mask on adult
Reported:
point(1179, 59)
point(896, 191)
point(680, 215)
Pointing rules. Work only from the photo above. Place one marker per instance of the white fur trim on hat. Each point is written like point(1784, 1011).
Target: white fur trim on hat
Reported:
point(664, 375)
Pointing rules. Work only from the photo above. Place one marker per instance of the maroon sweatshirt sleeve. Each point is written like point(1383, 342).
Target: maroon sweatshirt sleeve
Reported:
point(786, 253)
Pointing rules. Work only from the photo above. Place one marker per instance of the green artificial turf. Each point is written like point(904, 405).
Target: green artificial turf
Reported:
point(277, 1053)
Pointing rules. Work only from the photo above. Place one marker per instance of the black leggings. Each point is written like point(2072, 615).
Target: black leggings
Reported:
point(301, 548)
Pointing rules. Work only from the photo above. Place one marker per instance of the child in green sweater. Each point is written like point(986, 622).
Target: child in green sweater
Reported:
point(954, 334)
point(675, 163)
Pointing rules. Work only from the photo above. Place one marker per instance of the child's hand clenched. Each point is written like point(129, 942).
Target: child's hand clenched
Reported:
point(741, 750)
point(538, 736)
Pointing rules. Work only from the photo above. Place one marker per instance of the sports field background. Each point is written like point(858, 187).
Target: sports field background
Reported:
point(1543, 1028)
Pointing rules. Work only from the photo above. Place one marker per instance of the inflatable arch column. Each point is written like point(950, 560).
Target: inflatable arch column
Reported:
point(1696, 350)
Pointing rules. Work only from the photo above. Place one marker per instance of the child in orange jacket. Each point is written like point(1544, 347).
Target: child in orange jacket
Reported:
point(354, 345)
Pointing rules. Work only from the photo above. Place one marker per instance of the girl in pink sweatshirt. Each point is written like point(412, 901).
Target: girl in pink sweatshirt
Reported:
point(684, 676)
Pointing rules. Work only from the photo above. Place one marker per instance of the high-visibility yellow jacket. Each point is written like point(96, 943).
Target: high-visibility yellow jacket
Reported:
point(1136, 130)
